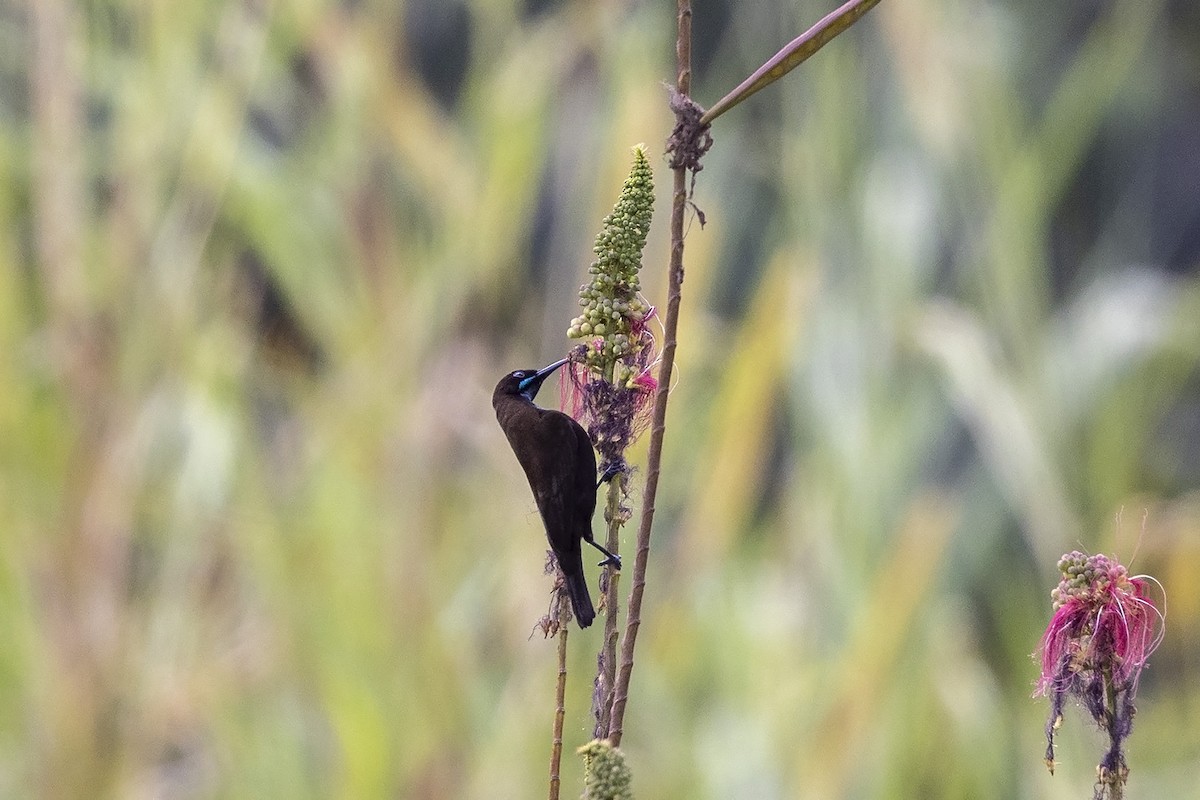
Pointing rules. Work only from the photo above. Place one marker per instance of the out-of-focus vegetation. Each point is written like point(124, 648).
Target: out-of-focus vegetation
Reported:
point(261, 263)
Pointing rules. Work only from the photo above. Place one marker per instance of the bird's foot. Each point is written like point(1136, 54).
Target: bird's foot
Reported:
point(611, 471)
point(612, 559)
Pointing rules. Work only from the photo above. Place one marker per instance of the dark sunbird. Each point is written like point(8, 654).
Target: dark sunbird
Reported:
point(556, 454)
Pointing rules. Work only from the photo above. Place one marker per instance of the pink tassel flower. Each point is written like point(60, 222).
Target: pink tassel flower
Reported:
point(1103, 630)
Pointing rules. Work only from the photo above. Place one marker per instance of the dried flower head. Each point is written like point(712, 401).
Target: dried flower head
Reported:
point(611, 374)
point(1103, 630)
point(558, 616)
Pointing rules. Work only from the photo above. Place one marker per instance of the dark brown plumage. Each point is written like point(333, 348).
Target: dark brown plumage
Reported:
point(556, 454)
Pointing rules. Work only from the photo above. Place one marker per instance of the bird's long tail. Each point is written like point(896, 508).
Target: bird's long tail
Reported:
point(581, 601)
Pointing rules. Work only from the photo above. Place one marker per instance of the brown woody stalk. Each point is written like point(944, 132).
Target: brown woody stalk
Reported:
point(560, 697)
point(658, 424)
point(785, 60)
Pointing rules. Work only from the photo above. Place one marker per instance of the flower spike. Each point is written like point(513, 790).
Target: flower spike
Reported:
point(611, 381)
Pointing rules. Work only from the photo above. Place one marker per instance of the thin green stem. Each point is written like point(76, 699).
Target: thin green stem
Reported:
point(606, 676)
point(792, 55)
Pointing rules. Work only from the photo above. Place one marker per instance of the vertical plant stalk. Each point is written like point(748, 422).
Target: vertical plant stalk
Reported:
point(692, 128)
point(606, 676)
point(658, 423)
point(1113, 779)
point(560, 695)
point(611, 384)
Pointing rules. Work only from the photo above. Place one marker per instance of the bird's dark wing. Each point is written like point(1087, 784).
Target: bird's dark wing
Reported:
point(563, 480)
point(557, 457)
point(584, 479)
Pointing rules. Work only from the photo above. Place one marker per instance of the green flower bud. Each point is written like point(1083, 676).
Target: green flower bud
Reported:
point(609, 298)
point(606, 775)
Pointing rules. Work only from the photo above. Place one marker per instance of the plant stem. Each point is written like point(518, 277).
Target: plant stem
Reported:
point(560, 697)
point(792, 55)
point(796, 52)
point(1115, 780)
point(658, 424)
point(607, 671)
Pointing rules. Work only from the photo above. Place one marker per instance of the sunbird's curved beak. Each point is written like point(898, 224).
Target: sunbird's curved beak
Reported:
point(529, 387)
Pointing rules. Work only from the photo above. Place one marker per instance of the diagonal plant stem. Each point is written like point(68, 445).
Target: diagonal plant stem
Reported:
point(658, 424)
point(792, 55)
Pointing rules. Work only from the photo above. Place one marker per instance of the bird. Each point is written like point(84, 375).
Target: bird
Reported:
point(556, 454)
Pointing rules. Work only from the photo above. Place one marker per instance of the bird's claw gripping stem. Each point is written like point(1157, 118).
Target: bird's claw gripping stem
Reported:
point(610, 472)
point(612, 558)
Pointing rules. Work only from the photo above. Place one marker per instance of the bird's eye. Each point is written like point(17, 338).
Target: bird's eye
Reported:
point(518, 374)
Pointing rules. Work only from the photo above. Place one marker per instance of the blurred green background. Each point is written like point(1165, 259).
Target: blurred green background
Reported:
point(262, 262)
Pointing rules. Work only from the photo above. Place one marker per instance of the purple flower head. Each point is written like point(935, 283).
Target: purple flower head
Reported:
point(1103, 630)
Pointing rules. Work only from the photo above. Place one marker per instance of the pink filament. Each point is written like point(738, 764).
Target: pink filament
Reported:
point(1115, 629)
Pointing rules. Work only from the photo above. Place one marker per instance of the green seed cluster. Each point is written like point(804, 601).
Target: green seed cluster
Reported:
point(1086, 577)
point(607, 776)
point(610, 302)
